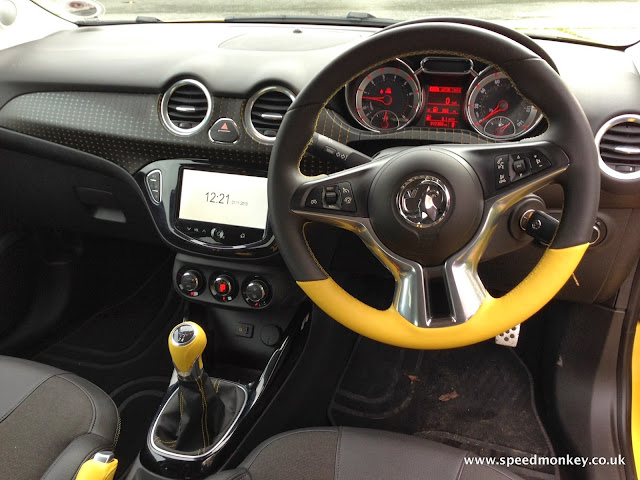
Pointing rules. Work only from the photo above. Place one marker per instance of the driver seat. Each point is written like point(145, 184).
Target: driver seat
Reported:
point(345, 453)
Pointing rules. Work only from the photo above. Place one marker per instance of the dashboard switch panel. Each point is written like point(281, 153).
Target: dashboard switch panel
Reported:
point(153, 181)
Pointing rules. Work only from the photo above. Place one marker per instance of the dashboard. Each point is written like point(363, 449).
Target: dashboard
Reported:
point(133, 134)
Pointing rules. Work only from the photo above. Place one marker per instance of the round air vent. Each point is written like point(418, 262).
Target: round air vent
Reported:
point(264, 112)
point(186, 107)
point(618, 142)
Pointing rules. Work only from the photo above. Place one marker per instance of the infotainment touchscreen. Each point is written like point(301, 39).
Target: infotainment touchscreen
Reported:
point(220, 199)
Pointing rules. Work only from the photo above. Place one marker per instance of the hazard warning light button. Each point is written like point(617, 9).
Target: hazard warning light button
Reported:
point(224, 130)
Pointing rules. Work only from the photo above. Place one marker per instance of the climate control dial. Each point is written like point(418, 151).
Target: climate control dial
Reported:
point(190, 282)
point(256, 292)
point(223, 287)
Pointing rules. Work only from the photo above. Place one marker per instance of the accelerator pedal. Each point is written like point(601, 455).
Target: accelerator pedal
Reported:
point(510, 337)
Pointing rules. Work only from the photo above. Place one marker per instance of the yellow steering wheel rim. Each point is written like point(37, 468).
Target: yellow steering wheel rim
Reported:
point(495, 315)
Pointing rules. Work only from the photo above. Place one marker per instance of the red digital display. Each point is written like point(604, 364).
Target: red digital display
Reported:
point(443, 106)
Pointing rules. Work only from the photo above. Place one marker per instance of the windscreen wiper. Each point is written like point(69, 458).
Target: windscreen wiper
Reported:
point(352, 18)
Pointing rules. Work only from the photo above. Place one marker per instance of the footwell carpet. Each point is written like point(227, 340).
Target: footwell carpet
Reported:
point(478, 398)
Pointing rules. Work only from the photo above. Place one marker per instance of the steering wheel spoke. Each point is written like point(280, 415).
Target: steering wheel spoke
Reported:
point(428, 296)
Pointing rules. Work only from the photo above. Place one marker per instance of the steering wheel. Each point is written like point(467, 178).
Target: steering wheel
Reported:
point(427, 213)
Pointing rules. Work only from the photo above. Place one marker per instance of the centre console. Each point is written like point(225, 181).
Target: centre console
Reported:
point(236, 287)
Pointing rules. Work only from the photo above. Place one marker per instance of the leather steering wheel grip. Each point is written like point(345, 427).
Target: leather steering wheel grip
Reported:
point(568, 129)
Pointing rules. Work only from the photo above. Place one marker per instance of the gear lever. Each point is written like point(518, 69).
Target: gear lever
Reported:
point(186, 344)
point(198, 418)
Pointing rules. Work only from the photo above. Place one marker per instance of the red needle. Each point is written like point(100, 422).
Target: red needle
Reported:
point(386, 100)
point(385, 120)
point(500, 130)
point(501, 107)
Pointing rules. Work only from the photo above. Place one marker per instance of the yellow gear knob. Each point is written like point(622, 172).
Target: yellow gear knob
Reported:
point(186, 344)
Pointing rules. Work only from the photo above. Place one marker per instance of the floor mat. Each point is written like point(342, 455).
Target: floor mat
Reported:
point(478, 398)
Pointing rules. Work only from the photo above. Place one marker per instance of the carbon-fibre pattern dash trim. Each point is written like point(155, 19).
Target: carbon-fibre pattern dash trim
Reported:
point(125, 128)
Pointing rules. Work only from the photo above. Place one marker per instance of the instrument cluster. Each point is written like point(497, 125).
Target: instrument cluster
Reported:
point(443, 93)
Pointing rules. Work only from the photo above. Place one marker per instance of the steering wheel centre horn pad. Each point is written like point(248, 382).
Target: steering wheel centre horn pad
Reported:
point(437, 208)
point(482, 182)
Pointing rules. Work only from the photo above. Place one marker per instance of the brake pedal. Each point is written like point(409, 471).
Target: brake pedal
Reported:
point(510, 337)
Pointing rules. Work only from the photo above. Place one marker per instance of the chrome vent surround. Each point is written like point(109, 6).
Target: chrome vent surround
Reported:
point(264, 112)
point(618, 143)
point(186, 107)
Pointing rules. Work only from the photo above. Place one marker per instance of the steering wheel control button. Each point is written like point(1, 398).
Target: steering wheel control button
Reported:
point(347, 200)
point(423, 201)
point(332, 197)
point(538, 161)
point(314, 200)
point(502, 171)
point(511, 168)
point(190, 282)
point(223, 287)
point(256, 292)
point(153, 181)
point(224, 130)
point(519, 165)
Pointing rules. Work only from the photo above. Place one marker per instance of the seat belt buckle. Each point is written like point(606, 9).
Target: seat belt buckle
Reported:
point(102, 466)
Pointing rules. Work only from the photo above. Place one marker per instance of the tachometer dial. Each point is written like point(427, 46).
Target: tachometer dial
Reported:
point(496, 110)
point(387, 99)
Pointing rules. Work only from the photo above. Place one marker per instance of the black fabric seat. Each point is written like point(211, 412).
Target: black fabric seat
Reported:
point(51, 421)
point(357, 454)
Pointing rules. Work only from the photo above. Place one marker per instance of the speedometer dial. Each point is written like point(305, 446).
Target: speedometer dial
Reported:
point(496, 110)
point(387, 99)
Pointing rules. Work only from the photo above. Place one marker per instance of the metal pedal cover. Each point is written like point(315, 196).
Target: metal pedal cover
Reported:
point(510, 337)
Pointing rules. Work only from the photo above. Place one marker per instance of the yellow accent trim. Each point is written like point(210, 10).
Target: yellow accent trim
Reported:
point(495, 315)
point(93, 470)
point(635, 399)
point(183, 357)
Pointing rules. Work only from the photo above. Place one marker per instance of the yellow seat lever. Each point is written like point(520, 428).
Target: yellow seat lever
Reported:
point(101, 467)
